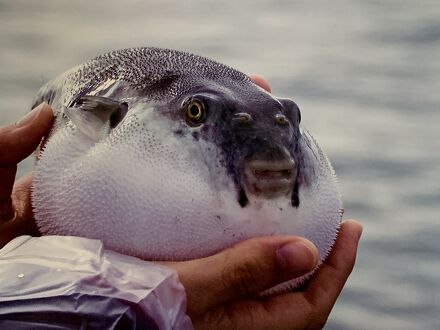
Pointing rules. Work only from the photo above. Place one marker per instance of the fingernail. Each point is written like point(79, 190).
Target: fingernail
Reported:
point(355, 223)
point(296, 256)
point(360, 233)
point(30, 116)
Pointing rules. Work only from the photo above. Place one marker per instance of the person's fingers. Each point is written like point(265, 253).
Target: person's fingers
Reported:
point(285, 311)
point(260, 81)
point(326, 285)
point(19, 225)
point(7, 175)
point(244, 270)
point(22, 198)
point(295, 310)
point(19, 140)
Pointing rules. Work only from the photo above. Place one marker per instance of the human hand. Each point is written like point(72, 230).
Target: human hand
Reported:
point(222, 290)
point(17, 141)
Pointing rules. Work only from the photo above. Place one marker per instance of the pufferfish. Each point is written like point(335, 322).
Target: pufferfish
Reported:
point(166, 155)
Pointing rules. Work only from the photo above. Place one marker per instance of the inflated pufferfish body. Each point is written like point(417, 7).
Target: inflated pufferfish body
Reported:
point(166, 155)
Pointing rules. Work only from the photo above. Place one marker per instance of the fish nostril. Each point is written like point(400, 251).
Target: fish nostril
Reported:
point(281, 119)
point(242, 118)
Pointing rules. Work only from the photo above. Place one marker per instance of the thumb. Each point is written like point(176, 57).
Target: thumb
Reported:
point(17, 141)
point(244, 270)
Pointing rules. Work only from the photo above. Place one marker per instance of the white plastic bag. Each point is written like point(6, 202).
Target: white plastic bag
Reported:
point(64, 282)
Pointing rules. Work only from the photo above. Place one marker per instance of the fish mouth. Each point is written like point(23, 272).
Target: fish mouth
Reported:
point(270, 178)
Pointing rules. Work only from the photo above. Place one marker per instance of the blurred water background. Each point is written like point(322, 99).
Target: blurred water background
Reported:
point(366, 75)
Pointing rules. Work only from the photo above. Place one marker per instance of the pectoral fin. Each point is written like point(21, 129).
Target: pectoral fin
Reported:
point(95, 116)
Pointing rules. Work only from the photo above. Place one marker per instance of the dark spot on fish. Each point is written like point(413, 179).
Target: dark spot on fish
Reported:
point(196, 135)
point(242, 198)
point(206, 128)
point(295, 198)
point(179, 132)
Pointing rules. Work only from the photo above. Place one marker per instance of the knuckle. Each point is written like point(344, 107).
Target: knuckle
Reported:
point(316, 320)
point(242, 277)
point(319, 324)
point(239, 278)
point(248, 267)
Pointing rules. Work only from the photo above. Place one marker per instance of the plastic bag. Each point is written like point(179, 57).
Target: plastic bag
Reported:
point(64, 282)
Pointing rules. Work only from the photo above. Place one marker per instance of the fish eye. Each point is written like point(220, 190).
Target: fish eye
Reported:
point(195, 112)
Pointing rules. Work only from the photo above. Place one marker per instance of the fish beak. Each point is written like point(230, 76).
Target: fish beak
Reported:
point(270, 178)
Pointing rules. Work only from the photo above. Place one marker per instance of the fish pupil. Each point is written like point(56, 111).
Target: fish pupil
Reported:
point(194, 111)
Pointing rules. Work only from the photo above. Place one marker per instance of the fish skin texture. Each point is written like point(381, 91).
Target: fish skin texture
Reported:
point(156, 188)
